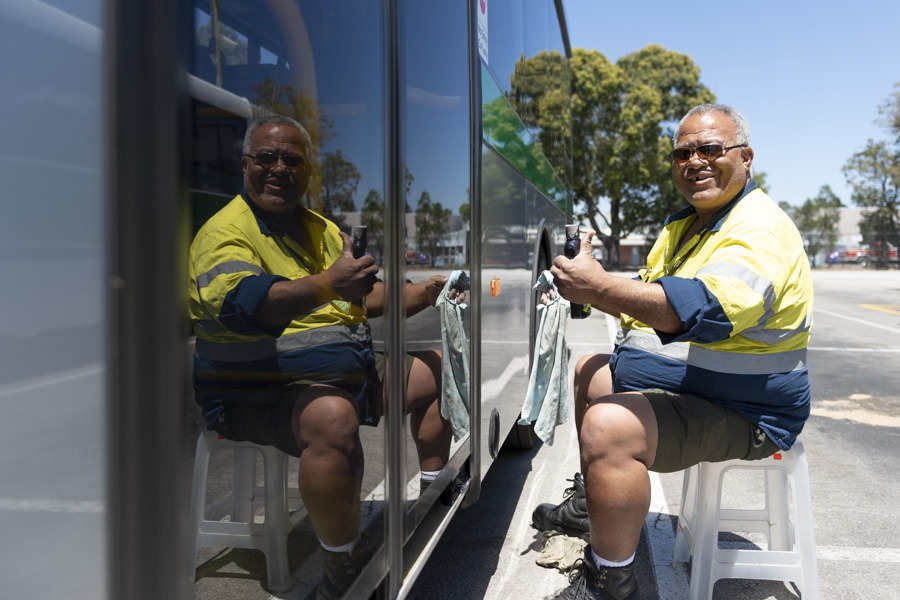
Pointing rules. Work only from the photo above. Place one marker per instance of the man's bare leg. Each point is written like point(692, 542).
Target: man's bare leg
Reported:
point(431, 432)
point(326, 427)
point(618, 445)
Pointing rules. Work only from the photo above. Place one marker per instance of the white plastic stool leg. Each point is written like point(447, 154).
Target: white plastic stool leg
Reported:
point(198, 499)
point(684, 533)
point(270, 536)
point(277, 521)
point(243, 485)
point(777, 497)
point(791, 551)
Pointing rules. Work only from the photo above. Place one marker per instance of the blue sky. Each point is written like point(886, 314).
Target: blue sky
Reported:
point(809, 77)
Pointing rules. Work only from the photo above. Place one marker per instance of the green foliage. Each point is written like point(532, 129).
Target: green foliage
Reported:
point(890, 113)
point(874, 177)
point(623, 118)
point(372, 216)
point(432, 221)
point(285, 99)
point(817, 219)
point(540, 94)
point(465, 213)
point(762, 181)
point(340, 177)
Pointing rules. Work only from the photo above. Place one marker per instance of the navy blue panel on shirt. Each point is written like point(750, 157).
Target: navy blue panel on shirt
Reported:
point(242, 302)
point(700, 312)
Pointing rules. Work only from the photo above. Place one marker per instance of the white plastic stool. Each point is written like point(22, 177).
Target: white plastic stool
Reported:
point(243, 531)
point(791, 550)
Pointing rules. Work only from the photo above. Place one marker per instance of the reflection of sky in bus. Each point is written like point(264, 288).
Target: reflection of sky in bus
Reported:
point(436, 111)
point(349, 86)
point(437, 106)
point(89, 11)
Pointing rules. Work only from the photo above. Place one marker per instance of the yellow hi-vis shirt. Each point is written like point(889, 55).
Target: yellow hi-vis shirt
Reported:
point(742, 288)
point(234, 259)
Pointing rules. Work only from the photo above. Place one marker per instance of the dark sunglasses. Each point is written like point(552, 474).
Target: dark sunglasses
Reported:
point(267, 159)
point(705, 152)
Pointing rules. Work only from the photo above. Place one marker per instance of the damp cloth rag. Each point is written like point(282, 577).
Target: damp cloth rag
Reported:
point(454, 355)
point(547, 398)
point(559, 550)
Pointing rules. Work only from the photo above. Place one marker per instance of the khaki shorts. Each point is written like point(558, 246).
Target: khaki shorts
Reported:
point(263, 415)
point(693, 430)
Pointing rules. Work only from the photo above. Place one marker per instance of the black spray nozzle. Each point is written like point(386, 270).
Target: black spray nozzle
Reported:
point(359, 241)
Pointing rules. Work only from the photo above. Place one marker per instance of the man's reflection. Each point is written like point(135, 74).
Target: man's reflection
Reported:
point(283, 354)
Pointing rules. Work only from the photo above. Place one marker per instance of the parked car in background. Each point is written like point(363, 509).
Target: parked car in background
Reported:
point(843, 256)
point(881, 254)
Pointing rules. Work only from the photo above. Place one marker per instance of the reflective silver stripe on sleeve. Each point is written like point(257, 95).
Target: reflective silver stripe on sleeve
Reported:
point(754, 281)
point(231, 266)
point(776, 336)
point(715, 360)
point(269, 347)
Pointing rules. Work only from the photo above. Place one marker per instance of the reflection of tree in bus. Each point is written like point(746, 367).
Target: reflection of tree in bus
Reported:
point(340, 178)
point(431, 224)
point(285, 99)
point(540, 94)
point(372, 216)
point(508, 135)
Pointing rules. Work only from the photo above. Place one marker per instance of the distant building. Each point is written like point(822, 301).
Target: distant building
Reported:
point(848, 235)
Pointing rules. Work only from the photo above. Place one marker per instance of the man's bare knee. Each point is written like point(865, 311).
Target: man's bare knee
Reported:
point(619, 426)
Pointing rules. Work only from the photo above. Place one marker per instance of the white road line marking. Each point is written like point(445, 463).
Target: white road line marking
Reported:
point(494, 387)
point(94, 507)
point(53, 379)
point(855, 320)
point(856, 554)
point(845, 349)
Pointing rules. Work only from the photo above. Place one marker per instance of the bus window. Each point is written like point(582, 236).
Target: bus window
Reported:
point(256, 58)
point(435, 209)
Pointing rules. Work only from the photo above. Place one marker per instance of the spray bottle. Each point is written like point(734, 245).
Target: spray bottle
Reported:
point(358, 249)
point(571, 249)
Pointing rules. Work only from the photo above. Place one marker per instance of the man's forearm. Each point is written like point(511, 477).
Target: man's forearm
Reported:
point(646, 302)
point(287, 300)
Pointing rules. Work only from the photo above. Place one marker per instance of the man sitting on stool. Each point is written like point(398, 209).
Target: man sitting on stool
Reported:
point(710, 364)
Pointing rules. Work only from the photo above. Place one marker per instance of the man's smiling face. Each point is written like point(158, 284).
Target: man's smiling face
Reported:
point(275, 188)
point(709, 183)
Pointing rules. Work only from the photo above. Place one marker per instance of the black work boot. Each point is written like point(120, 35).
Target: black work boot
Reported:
point(570, 516)
point(341, 569)
point(587, 581)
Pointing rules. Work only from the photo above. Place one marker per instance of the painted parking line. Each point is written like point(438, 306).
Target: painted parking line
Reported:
point(893, 309)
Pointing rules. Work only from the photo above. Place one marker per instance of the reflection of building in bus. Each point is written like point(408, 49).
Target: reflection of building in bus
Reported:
point(452, 248)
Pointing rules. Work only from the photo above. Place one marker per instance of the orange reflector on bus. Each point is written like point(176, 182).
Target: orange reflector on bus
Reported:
point(495, 287)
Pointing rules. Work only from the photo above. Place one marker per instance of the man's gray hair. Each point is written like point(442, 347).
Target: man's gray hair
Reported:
point(278, 120)
point(743, 128)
